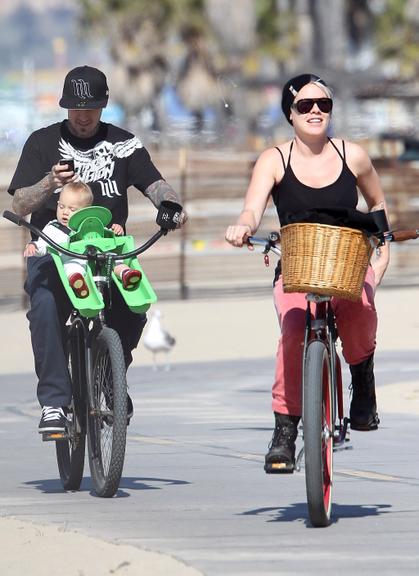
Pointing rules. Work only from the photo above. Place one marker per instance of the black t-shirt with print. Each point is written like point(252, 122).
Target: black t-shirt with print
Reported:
point(111, 161)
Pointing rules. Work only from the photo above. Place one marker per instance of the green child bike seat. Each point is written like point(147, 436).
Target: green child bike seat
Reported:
point(89, 228)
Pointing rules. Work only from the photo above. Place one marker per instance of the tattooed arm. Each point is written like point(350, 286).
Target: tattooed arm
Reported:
point(161, 190)
point(29, 199)
point(381, 256)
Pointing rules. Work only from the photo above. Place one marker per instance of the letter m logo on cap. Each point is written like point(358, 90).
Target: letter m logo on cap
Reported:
point(81, 88)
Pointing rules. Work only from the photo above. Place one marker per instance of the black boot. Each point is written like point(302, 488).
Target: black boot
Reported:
point(281, 456)
point(363, 412)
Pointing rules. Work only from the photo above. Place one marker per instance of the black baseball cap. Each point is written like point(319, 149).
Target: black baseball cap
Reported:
point(291, 89)
point(85, 88)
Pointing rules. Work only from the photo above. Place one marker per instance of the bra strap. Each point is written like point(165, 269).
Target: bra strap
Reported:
point(337, 149)
point(282, 156)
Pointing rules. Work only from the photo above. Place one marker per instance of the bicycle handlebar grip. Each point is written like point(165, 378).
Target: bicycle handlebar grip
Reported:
point(13, 217)
point(402, 235)
point(168, 216)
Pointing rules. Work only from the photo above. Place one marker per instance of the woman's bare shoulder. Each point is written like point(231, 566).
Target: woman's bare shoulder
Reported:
point(357, 157)
point(274, 152)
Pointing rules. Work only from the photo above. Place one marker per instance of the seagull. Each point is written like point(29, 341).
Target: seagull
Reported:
point(156, 339)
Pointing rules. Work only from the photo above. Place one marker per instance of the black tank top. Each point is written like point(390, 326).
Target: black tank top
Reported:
point(292, 196)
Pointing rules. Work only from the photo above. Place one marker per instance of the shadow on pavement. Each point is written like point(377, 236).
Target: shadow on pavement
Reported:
point(298, 511)
point(54, 486)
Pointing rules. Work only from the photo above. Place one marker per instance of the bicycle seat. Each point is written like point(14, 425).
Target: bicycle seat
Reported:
point(89, 222)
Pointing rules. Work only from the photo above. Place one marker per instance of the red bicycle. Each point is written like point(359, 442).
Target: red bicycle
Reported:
point(324, 422)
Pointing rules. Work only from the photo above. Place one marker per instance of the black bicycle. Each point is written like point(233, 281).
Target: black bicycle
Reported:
point(94, 352)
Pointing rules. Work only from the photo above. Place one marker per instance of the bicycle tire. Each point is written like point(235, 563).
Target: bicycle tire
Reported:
point(70, 452)
point(318, 433)
point(107, 414)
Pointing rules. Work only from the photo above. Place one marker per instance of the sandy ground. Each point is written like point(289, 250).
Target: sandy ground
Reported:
point(204, 331)
point(34, 550)
point(227, 329)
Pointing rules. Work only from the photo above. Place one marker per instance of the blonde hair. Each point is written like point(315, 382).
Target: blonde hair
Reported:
point(79, 187)
point(320, 84)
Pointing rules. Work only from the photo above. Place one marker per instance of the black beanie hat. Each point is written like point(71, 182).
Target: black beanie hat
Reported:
point(292, 87)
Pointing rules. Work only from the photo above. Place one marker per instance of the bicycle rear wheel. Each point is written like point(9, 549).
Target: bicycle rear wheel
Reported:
point(318, 433)
point(107, 414)
point(71, 450)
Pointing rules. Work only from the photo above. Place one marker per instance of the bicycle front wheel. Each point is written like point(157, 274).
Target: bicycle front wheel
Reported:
point(70, 451)
point(107, 413)
point(318, 433)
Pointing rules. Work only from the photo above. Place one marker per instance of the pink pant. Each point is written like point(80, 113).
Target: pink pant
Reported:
point(357, 327)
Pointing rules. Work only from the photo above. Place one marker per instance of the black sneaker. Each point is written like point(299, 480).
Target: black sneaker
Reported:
point(52, 420)
point(363, 411)
point(130, 406)
point(281, 456)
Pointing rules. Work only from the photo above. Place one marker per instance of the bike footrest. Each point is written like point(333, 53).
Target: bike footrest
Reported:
point(278, 468)
point(54, 436)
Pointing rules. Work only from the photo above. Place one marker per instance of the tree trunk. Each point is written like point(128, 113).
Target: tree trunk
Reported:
point(330, 32)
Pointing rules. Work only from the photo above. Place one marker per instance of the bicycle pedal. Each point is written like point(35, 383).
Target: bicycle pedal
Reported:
point(278, 468)
point(53, 436)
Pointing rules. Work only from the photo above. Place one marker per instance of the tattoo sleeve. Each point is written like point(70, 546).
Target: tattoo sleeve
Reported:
point(27, 200)
point(376, 207)
point(161, 190)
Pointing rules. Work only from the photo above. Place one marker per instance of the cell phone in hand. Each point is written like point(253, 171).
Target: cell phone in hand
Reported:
point(69, 162)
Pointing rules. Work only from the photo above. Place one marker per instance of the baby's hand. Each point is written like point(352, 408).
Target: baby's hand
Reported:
point(30, 250)
point(117, 228)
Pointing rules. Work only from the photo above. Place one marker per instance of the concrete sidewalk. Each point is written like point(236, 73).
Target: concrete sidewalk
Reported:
point(205, 330)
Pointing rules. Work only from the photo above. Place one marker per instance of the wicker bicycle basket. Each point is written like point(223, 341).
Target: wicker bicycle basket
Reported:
point(328, 260)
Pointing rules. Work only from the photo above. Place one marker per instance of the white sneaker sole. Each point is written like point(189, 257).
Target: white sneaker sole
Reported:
point(52, 429)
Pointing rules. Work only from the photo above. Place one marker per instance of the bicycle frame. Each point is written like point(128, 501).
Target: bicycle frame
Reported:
point(95, 357)
point(91, 321)
point(322, 326)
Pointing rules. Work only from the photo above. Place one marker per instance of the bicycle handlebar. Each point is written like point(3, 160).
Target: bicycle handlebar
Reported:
point(401, 235)
point(14, 218)
point(270, 242)
point(92, 251)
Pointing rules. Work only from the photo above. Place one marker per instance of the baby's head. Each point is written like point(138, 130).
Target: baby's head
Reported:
point(73, 197)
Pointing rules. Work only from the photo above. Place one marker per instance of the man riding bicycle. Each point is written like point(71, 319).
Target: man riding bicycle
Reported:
point(110, 160)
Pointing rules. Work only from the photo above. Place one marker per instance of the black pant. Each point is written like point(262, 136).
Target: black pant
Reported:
point(49, 311)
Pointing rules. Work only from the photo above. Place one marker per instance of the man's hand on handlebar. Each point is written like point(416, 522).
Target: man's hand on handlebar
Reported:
point(183, 219)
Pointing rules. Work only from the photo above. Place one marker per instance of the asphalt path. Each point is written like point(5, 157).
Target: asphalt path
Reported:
point(193, 485)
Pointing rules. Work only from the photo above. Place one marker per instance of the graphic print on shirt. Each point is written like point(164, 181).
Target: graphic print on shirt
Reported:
point(98, 163)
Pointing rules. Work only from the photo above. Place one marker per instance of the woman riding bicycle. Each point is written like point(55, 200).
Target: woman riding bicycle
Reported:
point(309, 172)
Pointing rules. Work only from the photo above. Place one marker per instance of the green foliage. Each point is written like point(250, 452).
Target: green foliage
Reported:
point(163, 13)
point(397, 37)
point(277, 31)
